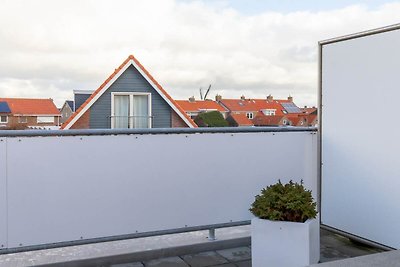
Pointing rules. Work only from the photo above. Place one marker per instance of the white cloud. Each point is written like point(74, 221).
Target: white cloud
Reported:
point(49, 48)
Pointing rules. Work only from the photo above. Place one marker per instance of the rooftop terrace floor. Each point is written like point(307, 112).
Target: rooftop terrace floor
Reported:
point(232, 248)
point(333, 247)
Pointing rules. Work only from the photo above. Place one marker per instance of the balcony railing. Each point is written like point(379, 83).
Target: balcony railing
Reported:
point(80, 186)
point(130, 122)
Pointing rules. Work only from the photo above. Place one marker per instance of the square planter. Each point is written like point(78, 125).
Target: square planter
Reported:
point(284, 244)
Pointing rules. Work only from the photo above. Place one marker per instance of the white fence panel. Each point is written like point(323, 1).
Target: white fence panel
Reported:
point(361, 163)
point(68, 188)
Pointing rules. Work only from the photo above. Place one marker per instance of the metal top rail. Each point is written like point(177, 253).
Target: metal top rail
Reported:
point(360, 34)
point(32, 133)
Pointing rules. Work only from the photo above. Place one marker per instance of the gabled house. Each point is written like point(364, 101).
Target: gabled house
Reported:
point(21, 113)
point(239, 120)
point(194, 107)
point(129, 98)
point(250, 107)
point(66, 110)
point(262, 120)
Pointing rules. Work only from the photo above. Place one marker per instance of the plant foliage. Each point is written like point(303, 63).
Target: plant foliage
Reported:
point(285, 202)
point(211, 119)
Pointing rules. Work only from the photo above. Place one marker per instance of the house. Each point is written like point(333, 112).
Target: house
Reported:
point(22, 113)
point(129, 98)
point(250, 107)
point(194, 107)
point(67, 110)
point(239, 120)
point(279, 120)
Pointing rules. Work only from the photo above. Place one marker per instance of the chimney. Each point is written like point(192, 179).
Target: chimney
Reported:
point(218, 98)
point(243, 97)
point(305, 106)
point(270, 98)
point(290, 98)
point(191, 99)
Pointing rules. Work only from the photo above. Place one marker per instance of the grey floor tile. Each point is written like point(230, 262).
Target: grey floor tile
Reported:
point(204, 259)
point(225, 265)
point(243, 263)
point(236, 254)
point(166, 262)
point(131, 264)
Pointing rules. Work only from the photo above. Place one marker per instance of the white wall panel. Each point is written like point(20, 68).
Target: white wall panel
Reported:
point(3, 193)
point(360, 137)
point(68, 188)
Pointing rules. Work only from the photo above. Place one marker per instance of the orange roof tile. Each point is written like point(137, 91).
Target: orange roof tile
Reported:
point(262, 120)
point(253, 105)
point(241, 119)
point(31, 106)
point(200, 105)
point(131, 57)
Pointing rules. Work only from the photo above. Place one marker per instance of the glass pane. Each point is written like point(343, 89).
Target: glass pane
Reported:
point(121, 111)
point(140, 111)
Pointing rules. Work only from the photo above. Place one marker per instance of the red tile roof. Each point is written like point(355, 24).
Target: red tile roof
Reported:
point(262, 120)
point(131, 57)
point(31, 106)
point(241, 119)
point(253, 105)
point(200, 105)
point(309, 110)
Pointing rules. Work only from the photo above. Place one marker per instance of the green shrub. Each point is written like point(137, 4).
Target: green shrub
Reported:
point(285, 202)
point(210, 119)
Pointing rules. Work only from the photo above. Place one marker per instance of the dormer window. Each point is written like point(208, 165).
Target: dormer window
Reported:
point(249, 115)
point(269, 112)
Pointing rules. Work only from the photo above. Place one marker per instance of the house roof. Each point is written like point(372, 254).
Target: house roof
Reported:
point(200, 105)
point(241, 119)
point(131, 60)
point(31, 106)
point(262, 120)
point(312, 110)
point(252, 105)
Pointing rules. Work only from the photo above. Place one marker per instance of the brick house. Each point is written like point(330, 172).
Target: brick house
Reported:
point(194, 107)
point(129, 98)
point(22, 113)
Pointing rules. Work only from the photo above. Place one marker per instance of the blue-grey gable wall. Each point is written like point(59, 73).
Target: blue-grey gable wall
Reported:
point(130, 81)
point(80, 99)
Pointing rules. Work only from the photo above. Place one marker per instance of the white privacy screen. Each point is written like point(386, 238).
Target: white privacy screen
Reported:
point(361, 136)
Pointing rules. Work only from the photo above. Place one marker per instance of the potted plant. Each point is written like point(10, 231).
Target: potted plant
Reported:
point(285, 231)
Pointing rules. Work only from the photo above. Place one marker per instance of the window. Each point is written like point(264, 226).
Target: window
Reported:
point(22, 119)
point(269, 112)
point(45, 119)
point(131, 110)
point(249, 115)
point(3, 119)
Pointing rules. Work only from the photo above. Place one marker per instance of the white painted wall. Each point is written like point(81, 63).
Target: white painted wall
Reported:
point(360, 137)
point(68, 188)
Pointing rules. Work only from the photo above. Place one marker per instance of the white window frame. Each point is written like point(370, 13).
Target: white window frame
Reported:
point(250, 115)
point(269, 112)
point(4, 122)
point(131, 95)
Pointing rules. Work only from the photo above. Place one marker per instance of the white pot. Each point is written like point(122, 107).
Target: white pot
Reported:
point(284, 244)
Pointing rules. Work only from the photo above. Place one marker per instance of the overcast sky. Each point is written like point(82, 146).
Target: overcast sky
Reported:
point(254, 47)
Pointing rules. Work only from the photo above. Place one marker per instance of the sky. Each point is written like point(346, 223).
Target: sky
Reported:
point(254, 48)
